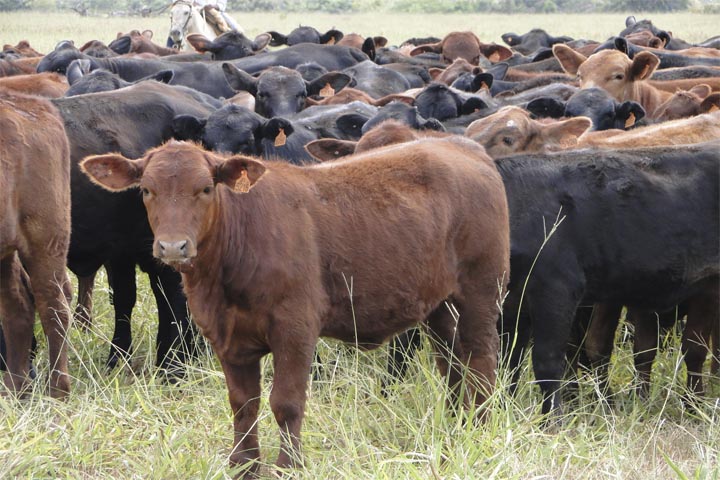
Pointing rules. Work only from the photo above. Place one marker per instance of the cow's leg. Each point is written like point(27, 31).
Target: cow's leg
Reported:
point(243, 382)
point(83, 309)
point(600, 341)
point(401, 351)
point(51, 290)
point(552, 309)
point(175, 337)
point(17, 315)
point(715, 365)
point(703, 314)
point(645, 345)
point(122, 282)
point(514, 329)
point(441, 324)
point(292, 364)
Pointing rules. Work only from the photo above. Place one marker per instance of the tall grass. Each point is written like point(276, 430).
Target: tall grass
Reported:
point(130, 424)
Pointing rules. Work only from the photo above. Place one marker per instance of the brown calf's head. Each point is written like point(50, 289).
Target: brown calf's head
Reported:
point(610, 70)
point(511, 130)
point(465, 45)
point(179, 182)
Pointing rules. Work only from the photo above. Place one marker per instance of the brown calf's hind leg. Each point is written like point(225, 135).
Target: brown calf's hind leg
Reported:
point(17, 314)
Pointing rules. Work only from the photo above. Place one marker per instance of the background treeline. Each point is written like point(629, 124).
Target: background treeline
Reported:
point(417, 6)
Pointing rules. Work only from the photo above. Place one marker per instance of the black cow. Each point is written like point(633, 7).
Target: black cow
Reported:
point(439, 101)
point(532, 41)
point(111, 229)
point(230, 45)
point(638, 227)
point(633, 26)
point(281, 91)
point(377, 81)
point(403, 113)
point(305, 34)
point(667, 59)
point(595, 103)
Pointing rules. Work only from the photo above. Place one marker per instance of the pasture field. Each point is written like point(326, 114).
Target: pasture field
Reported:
point(45, 29)
point(129, 424)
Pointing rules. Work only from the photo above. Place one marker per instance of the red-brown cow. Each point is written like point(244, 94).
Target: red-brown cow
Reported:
point(46, 84)
point(274, 256)
point(464, 45)
point(34, 235)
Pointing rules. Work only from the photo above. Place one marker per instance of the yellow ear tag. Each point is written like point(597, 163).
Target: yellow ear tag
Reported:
point(494, 57)
point(714, 108)
point(484, 86)
point(327, 91)
point(281, 138)
point(242, 184)
point(630, 121)
point(331, 41)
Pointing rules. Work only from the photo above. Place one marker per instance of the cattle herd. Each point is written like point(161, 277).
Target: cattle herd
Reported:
point(494, 195)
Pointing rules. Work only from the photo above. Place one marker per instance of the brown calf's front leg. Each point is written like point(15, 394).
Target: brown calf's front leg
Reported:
point(243, 382)
point(292, 359)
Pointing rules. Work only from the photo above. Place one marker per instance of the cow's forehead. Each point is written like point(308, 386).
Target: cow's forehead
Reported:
point(177, 161)
point(605, 59)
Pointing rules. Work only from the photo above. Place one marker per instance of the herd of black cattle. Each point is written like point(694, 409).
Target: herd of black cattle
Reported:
point(598, 221)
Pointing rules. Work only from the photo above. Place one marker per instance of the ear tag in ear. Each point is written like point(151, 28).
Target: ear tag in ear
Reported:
point(714, 108)
point(331, 41)
point(630, 120)
point(484, 86)
point(494, 57)
point(327, 91)
point(280, 139)
point(242, 184)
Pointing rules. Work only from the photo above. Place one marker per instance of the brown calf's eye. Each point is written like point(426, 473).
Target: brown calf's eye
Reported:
point(145, 192)
point(207, 190)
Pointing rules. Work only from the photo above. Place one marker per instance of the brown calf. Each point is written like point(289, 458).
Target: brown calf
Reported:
point(347, 95)
point(465, 45)
point(511, 130)
point(46, 84)
point(274, 256)
point(699, 99)
point(23, 49)
point(698, 129)
point(34, 235)
point(614, 72)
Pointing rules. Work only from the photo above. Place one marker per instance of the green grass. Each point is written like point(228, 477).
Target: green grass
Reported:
point(130, 425)
point(45, 29)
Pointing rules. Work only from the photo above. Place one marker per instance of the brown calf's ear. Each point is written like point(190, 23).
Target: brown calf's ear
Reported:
point(702, 90)
point(325, 149)
point(113, 171)
point(240, 173)
point(494, 52)
point(147, 34)
point(566, 132)
point(569, 59)
point(643, 66)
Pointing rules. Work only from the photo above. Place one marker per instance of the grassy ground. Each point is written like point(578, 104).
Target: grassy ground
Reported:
point(44, 30)
point(128, 424)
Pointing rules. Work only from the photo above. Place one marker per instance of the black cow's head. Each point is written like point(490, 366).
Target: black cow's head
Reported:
point(305, 35)
point(439, 101)
point(229, 45)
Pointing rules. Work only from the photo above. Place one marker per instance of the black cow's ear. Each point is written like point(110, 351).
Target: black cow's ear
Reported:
point(238, 79)
point(121, 45)
point(77, 69)
point(499, 70)
point(331, 37)
point(261, 41)
point(328, 84)
point(471, 105)
point(622, 45)
point(164, 76)
point(481, 81)
point(542, 54)
point(511, 39)
point(277, 129)
point(630, 21)
point(368, 48)
point(630, 113)
point(546, 107)
point(188, 127)
point(351, 124)
point(277, 39)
